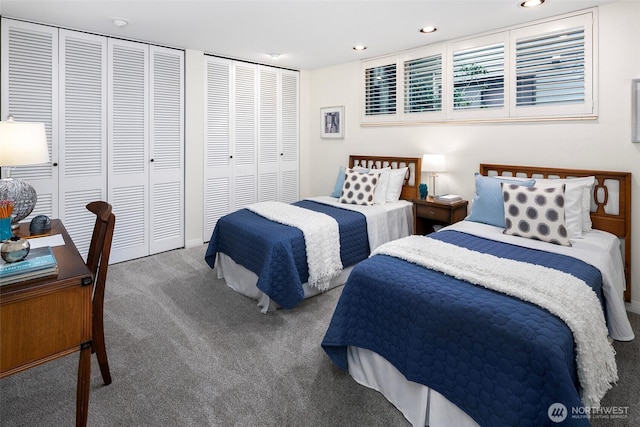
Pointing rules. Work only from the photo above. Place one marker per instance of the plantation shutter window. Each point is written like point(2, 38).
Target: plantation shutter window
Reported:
point(553, 68)
point(423, 84)
point(381, 89)
point(478, 77)
point(542, 70)
point(550, 68)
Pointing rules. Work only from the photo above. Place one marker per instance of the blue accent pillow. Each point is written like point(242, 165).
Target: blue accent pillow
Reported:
point(488, 204)
point(337, 189)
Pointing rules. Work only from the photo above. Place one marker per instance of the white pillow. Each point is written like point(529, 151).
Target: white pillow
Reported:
point(577, 199)
point(380, 195)
point(586, 204)
point(396, 180)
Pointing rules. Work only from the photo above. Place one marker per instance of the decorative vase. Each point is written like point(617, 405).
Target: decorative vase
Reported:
point(5, 229)
point(423, 190)
point(15, 249)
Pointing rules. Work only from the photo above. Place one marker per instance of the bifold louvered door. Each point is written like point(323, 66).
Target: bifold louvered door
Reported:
point(278, 135)
point(29, 81)
point(251, 137)
point(82, 154)
point(230, 148)
point(166, 167)
point(113, 112)
point(217, 143)
point(128, 147)
point(289, 190)
point(145, 148)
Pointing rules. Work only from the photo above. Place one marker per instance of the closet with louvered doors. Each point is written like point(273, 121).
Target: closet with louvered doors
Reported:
point(113, 111)
point(251, 137)
point(145, 148)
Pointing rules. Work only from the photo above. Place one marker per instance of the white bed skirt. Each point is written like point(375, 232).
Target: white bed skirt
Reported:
point(419, 404)
point(244, 281)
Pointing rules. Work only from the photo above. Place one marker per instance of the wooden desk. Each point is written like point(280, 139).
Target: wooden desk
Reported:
point(44, 319)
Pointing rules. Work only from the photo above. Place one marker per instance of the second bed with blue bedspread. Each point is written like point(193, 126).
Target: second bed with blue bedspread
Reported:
point(276, 252)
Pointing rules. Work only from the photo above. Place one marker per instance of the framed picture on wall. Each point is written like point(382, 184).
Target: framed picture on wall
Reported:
point(332, 122)
point(635, 110)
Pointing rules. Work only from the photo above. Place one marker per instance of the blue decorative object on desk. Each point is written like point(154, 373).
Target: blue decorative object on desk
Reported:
point(5, 229)
point(423, 190)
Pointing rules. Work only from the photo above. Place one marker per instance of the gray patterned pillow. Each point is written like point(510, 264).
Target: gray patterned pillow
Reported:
point(535, 213)
point(359, 187)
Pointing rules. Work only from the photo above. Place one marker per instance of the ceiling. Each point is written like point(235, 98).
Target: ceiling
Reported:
point(308, 34)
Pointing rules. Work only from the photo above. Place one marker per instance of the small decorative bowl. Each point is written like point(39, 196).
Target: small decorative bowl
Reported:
point(15, 249)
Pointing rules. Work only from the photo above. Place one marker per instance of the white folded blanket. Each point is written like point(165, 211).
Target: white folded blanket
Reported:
point(321, 237)
point(560, 293)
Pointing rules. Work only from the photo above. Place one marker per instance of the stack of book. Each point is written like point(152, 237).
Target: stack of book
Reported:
point(38, 264)
point(447, 198)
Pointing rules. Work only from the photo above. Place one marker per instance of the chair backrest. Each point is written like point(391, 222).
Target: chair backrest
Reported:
point(100, 247)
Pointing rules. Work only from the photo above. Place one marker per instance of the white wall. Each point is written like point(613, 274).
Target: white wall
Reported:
point(601, 144)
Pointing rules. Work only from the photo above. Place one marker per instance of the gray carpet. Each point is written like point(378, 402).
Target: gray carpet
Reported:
point(185, 350)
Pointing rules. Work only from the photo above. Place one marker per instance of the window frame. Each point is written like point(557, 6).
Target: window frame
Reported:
point(426, 52)
point(588, 106)
point(380, 62)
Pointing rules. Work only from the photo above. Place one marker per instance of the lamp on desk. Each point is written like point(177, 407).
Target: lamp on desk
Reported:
point(433, 163)
point(21, 144)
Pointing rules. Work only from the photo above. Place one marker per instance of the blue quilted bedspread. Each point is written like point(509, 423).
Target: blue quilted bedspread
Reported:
point(501, 360)
point(276, 252)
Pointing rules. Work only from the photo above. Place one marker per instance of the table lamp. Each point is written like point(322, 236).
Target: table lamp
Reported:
point(21, 144)
point(433, 163)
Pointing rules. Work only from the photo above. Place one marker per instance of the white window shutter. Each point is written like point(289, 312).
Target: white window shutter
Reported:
point(553, 72)
point(166, 172)
point(382, 90)
point(129, 148)
point(478, 87)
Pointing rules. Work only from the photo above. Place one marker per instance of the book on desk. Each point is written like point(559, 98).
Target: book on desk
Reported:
point(39, 263)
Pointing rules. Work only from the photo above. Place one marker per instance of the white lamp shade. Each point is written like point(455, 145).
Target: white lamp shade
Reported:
point(433, 163)
point(23, 143)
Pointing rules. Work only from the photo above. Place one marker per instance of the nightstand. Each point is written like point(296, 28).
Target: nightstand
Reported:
point(427, 213)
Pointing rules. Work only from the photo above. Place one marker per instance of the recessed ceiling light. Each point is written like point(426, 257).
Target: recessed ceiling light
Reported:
point(427, 30)
point(359, 47)
point(120, 22)
point(274, 55)
point(531, 3)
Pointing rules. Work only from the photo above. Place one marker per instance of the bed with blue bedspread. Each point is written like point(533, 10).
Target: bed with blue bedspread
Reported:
point(267, 260)
point(463, 328)
point(480, 351)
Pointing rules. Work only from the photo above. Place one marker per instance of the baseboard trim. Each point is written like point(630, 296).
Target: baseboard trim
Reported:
point(192, 243)
point(633, 306)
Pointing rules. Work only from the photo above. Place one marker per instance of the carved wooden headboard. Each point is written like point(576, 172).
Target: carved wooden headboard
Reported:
point(411, 179)
point(608, 213)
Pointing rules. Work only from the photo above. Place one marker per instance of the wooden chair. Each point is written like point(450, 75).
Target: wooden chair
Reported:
point(98, 262)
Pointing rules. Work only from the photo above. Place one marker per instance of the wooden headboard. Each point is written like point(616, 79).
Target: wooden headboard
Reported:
point(411, 179)
point(614, 219)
